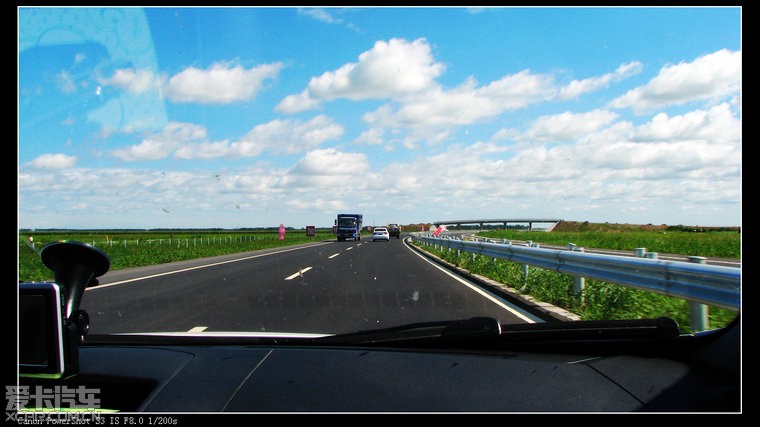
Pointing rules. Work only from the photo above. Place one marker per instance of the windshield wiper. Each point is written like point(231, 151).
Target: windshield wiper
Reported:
point(488, 329)
point(470, 332)
point(593, 330)
point(476, 327)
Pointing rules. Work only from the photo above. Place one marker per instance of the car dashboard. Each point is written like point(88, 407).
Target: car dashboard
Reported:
point(689, 374)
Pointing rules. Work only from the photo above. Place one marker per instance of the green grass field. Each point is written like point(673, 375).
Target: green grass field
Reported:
point(128, 249)
point(721, 244)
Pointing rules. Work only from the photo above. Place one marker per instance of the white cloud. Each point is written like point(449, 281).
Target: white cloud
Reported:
point(328, 171)
point(318, 204)
point(320, 15)
point(395, 68)
point(188, 141)
point(296, 103)
point(436, 111)
point(203, 150)
point(567, 126)
point(286, 136)
point(161, 145)
point(329, 162)
point(579, 87)
point(406, 73)
point(717, 124)
point(53, 161)
point(709, 77)
point(372, 136)
point(221, 83)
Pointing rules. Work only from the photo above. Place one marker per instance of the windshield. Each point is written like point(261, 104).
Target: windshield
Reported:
point(528, 165)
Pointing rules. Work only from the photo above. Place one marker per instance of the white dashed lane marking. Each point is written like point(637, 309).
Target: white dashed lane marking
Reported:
point(298, 273)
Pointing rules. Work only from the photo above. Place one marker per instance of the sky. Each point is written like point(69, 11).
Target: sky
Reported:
point(178, 117)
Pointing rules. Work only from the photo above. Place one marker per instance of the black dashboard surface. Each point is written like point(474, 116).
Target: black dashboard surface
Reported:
point(307, 379)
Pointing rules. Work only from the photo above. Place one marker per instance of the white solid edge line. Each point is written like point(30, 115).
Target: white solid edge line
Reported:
point(475, 288)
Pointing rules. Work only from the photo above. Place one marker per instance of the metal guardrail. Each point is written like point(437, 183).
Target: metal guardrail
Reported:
point(712, 285)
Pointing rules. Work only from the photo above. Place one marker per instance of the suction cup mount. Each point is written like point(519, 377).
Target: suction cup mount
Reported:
point(76, 266)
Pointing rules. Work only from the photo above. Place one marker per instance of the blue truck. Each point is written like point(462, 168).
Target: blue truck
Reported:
point(348, 226)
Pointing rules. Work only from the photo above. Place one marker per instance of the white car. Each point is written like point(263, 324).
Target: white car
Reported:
point(381, 233)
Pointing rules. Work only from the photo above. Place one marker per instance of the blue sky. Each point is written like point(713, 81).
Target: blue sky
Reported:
point(255, 117)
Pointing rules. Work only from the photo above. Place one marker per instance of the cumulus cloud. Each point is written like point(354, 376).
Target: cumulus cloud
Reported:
point(330, 161)
point(390, 69)
point(203, 150)
point(567, 126)
point(53, 161)
point(372, 136)
point(297, 103)
point(718, 124)
point(579, 87)
point(710, 77)
point(188, 141)
point(318, 204)
point(286, 136)
point(328, 170)
point(437, 110)
point(162, 144)
point(221, 83)
point(406, 72)
point(431, 114)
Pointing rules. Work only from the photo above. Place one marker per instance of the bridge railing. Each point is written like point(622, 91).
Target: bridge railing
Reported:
point(701, 284)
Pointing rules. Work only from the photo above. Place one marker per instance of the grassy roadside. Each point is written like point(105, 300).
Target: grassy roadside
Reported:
point(721, 244)
point(604, 300)
point(137, 249)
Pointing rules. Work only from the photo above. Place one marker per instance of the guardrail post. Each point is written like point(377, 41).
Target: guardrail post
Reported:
point(579, 282)
point(525, 267)
point(698, 311)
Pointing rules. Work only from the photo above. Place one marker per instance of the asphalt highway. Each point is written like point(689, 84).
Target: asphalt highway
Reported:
point(323, 288)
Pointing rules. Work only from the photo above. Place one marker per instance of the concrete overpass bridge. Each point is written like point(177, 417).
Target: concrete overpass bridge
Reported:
point(480, 222)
